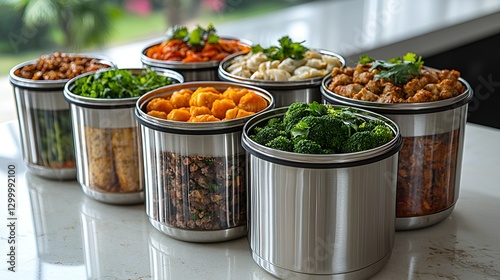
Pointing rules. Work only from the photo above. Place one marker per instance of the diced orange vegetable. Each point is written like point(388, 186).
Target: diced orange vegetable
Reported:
point(158, 114)
point(220, 106)
point(177, 50)
point(179, 115)
point(206, 104)
point(203, 118)
point(252, 102)
point(196, 111)
point(181, 98)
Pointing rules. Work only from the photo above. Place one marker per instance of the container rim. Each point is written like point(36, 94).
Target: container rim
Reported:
point(202, 128)
point(178, 65)
point(224, 75)
point(321, 161)
point(48, 85)
point(111, 103)
point(399, 108)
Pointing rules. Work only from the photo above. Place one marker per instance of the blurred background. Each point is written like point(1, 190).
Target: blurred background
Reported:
point(29, 28)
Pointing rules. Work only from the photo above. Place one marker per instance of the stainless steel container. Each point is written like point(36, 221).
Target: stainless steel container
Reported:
point(195, 71)
point(284, 92)
point(45, 125)
point(321, 216)
point(195, 180)
point(430, 160)
point(108, 144)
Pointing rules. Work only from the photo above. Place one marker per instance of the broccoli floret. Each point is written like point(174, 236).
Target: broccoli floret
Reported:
point(265, 134)
point(298, 110)
point(276, 123)
point(383, 134)
point(370, 125)
point(347, 115)
point(365, 140)
point(328, 131)
point(281, 143)
point(306, 146)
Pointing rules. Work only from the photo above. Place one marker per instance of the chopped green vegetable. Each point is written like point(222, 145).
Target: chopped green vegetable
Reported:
point(119, 83)
point(398, 70)
point(287, 48)
point(197, 38)
point(321, 129)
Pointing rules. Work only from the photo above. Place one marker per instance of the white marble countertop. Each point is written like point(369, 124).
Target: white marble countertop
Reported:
point(61, 233)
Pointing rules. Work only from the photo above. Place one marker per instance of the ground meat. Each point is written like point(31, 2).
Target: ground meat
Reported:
point(59, 66)
point(202, 193)
point(431, 85)
point(426, 174)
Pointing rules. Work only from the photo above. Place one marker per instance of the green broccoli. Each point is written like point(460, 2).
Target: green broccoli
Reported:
point(298, 110)
point(281, 143)
point(328, 131)
point(370, 124)
point(365, 140)
point(306, 146)
point(265, 134)
point(276, 123)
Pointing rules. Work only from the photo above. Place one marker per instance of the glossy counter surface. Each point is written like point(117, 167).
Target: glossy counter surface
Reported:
point(60, 233)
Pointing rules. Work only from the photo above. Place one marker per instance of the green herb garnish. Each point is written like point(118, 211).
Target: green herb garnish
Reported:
point(287, 48)
point(399, 70)
point(195, 39)
point(119, 83)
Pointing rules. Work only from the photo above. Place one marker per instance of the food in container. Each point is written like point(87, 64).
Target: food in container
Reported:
point(327, 215)
point(108, 143)
point(43, 114)
point(430, 106)
point(195, 54)
point(291, 71)
point(195, 186)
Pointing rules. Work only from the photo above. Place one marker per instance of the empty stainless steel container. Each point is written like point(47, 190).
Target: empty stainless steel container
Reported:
point(321, 216)
point(284, 92)
point(430, 160)
point(195, 172)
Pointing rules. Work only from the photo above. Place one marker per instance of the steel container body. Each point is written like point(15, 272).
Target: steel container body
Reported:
point(321, 216)
point(430, 160)
point(45, 125)
point(191, 71)
point(284, 92)
point(195, 175)
point(108, 144)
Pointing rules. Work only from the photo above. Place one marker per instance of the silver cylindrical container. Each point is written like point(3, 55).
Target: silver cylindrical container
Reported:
point(191, 71)
point(45, 125)
point(430, 160)
point(284, 92)
point(321, 216)
point(108, 144)
point(195, 180)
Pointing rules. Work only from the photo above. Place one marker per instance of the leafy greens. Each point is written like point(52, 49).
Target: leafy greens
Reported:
point(399, 70)
point(197, 38)
point(287, 48)
point(119, 83)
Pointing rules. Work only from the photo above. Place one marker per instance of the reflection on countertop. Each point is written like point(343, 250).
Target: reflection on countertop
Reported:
point(60, 231)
